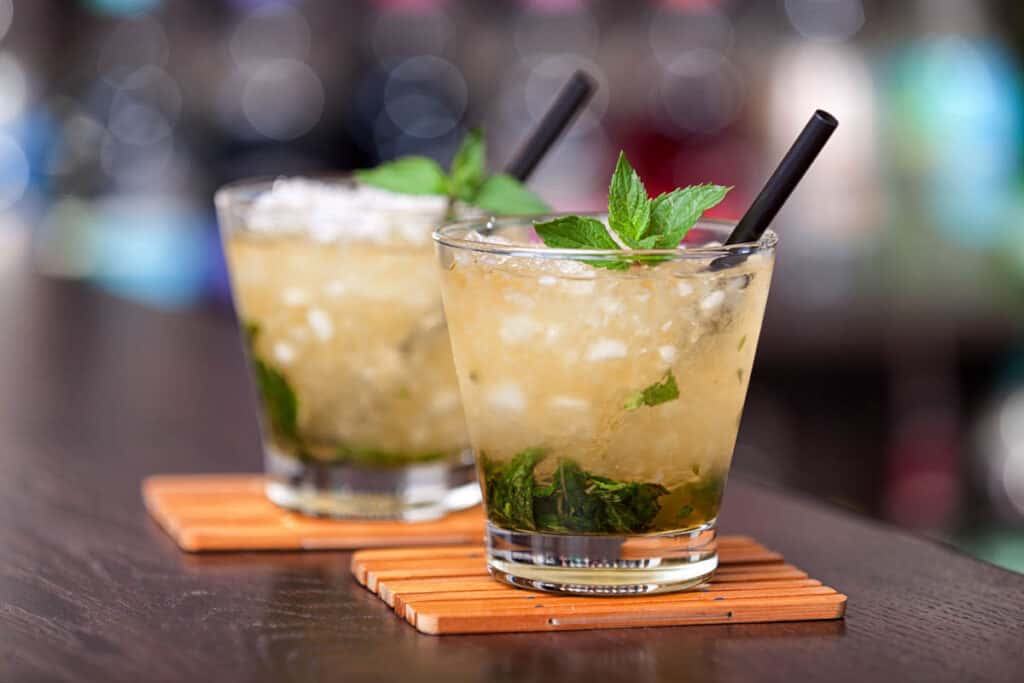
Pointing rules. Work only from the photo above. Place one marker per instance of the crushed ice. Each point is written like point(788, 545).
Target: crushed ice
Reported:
point(329, 212)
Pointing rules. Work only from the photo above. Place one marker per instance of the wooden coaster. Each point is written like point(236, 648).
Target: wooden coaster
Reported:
point(226, 512)
point(446, 590)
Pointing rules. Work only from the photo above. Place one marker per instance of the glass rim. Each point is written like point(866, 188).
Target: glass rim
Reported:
point(444, 236)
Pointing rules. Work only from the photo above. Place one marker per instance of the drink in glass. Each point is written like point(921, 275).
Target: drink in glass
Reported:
point(602, 404)
point(336, 288)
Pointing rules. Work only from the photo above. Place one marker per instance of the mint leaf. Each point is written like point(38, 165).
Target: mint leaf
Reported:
point(468, 166)
point(279, 401)
point(575, 232)
point(509, 488)
point(503, 194)
point(629, 210)
point(408, 175)
point(656, 394)
point(674, 213)
point(579, 232)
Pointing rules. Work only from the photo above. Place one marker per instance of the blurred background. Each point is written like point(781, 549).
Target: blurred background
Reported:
point(890, 378)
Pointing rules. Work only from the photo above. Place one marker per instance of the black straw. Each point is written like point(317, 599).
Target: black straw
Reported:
point(567, 105)
point(785, 178)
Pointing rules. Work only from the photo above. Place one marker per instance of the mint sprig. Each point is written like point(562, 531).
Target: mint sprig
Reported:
point(638, 221)
point(466, 180)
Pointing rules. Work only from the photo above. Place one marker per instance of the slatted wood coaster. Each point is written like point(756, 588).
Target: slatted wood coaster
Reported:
point(446, 590)
point(230, 512)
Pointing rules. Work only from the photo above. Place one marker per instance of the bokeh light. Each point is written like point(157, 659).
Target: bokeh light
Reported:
point(425, 96)
point(13, 89)
point(14, 171)
point(673, 32)
point(283, 98)
point(122, 7)
point(701, 91)
point(826, 19)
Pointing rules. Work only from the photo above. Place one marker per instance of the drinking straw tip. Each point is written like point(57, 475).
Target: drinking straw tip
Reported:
point(826, 118)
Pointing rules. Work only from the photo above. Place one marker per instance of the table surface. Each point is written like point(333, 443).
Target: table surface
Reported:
point(99, 393)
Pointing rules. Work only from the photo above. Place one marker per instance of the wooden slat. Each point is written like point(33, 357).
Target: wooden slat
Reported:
point(666, 614)
point(398, 597)
point(447, 590)
point(231, 512)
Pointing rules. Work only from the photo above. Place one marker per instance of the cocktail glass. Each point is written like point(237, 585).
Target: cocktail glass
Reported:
point(340, 303)
point(602, 404)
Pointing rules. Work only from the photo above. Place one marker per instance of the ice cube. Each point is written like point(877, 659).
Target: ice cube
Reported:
point(712, 300)
point(668, 354)
point(606, 349)
point(547, 280)
point(284, 353)
point(519, 299)
point(611, 306)
point(444, 402)
point(320, 323)
point(293, 296)
point(739, 282)
point(579, 287)
point(507, 397)
point(334, 288)
point(569, 403)
point(684, 288)
point(516, 329)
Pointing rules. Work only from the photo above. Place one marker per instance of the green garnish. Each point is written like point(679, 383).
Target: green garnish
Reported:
point(638, 221)
point(573, 500)
point(408, 175)
point(655, 394)
point(503, 194)
point(279, 400)
point(467, 180)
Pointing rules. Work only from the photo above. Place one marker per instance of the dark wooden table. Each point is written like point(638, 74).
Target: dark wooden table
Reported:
point(97, 393)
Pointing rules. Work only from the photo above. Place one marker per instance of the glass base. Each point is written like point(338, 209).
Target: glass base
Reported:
point(413, 493)
point(604, 565)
